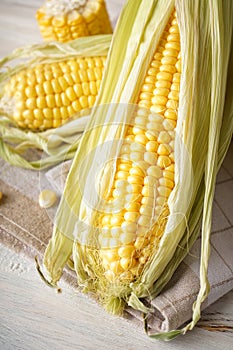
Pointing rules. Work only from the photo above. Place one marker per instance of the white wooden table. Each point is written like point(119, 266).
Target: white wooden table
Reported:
point(32, 316)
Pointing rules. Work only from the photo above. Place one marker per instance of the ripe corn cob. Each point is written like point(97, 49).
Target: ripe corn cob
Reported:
point(131, 225)
point(47, 95)
point(144, 175)
point(67, 20)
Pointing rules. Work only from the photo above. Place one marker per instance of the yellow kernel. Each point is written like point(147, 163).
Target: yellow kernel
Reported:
point(124, 166)
point(131, 216)
point(144, 220)
point(116, 220)
point(63, 83)
point(164, 150)
point(127, 263)
point(71, 94)
point(133, 197)
point(161, 91)
point(47, 198)
point(152, 71)
point(171, 114)
point(163, 161)
point(30, 91)
point(146, 210)
point(64, 112)
point(172, 49)
point(65, 99)
point(134, 188)
point(113, 242)
point(154, 171)
point(132, 207)
point(149, 180)
point(147, 87)
point(28, 115)
point(171, 168)
point(83, 75)
point(56, 113)
point(148, 191)
point(150, 135)
point(168, 60)
point(136, 170)
point(76, 106)
point(159, 100)
point(58, 100)
point(148, 201)
point(154, 126)
point(31, 103)
point(166, 182)
point(137, 147)
point(48, 113)
point(115, 267)
point(56, 123)
point(50, 99)
point(38, 114)
point(169, 124)
point(129, 226)
point(164, 84)
point(152, 146)
point(39, 89)
point(91, 100)
point(168, 174)
point(136, 156)
point(141, 138)
point(37, 123)
point(178, 66)
point(127, 237)
point(176, 78)
point(164, 76)
point(150, 158)
point(86, 89)
point(48, 88)
point(137, 130)
point(78, 90)
point(174, 95)
point(175, 87)
point(134, 179)
point(164, 137)
point(126, 251)
point(146, 96)
point(164, 191)
point(167, 68)
point(115, 231)
point(83, 101)
point(122, 175)
point(141, 242)
point(150, 79)
point(93, 88)
point(109, 254)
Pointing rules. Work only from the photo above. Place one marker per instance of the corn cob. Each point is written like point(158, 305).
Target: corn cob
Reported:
point(132, 224)
point(144, 175)
point(67, 20)
point(47, 95)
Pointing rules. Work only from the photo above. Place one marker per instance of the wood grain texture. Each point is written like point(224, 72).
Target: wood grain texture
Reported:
point(33, 316)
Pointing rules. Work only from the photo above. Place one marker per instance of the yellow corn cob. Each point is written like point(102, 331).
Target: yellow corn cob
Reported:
point(144, 175)
point(46, 95)
point(64, 21)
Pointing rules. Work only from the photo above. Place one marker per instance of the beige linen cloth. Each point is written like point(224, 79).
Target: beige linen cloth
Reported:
point(26, 228)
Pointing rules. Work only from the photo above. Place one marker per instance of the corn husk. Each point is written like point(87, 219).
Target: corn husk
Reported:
point(203, 134)
point(57, 144)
